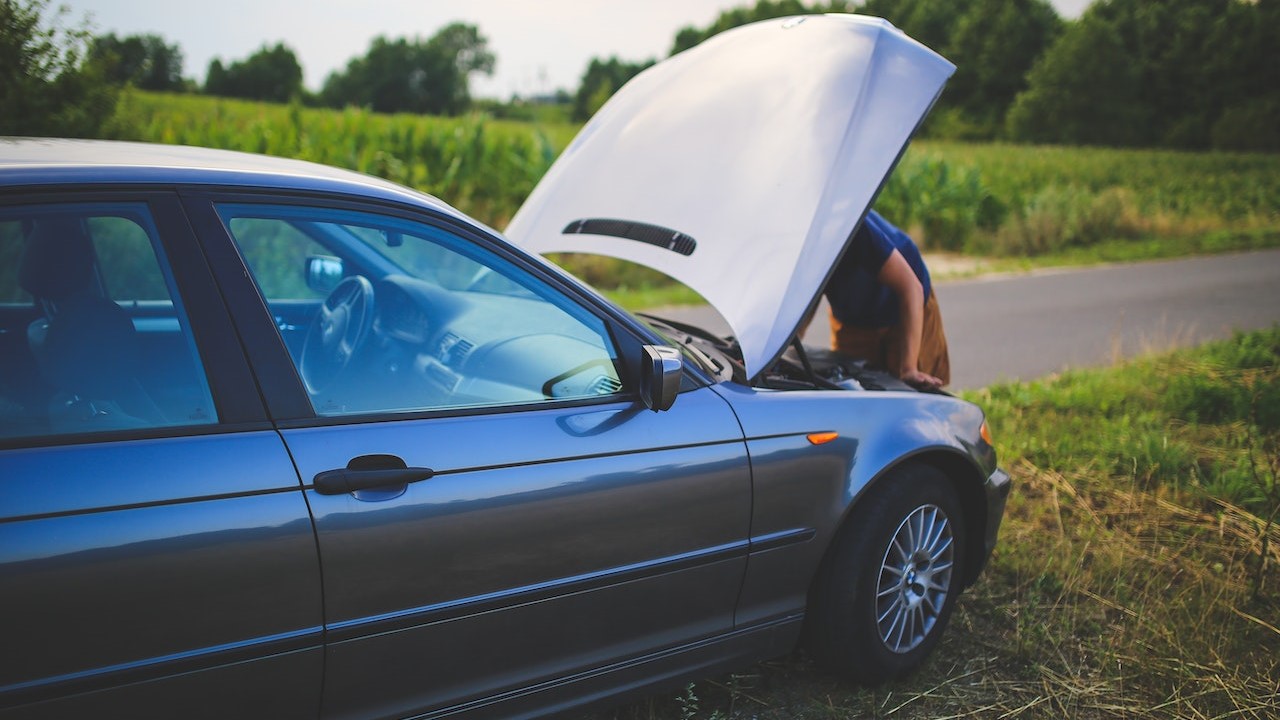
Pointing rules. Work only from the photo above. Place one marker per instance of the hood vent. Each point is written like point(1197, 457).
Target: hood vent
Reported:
point(656, 235)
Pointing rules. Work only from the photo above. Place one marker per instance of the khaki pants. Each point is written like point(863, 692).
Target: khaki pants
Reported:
point(882, 347)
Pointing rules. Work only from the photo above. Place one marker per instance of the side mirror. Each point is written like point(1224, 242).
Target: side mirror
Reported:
point(661, 371)
point(324, 272)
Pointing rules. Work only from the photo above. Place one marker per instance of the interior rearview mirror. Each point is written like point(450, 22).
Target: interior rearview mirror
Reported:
point(662, 370)
point(324, 272)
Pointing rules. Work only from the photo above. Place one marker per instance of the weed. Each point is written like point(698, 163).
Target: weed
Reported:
point(1206, 396)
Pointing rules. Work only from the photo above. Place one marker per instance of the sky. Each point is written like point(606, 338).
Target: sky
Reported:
point(541, 45)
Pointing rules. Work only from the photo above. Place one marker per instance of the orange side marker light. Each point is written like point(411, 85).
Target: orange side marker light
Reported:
point(821, 438)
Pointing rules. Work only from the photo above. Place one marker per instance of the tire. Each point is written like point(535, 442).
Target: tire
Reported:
point(877, 608)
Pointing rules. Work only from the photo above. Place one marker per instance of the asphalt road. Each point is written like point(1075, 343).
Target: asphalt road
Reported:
point(1027, 326)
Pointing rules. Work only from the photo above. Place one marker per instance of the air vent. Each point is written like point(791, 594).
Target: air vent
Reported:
point(461, 350)
point(453, 349)
point(656, 235)
point(605, 385)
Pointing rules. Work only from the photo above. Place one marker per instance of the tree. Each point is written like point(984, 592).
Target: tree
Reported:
point(603, 77)
point(46, 85)
point(1083, 91)
point(1167, 44)
point(144, 61)
point(401, 75)
point(271, 74)
point(600, 82)
point(690, 36)
point(1245, 77)
point(930, 22)
point(993, 44)
point(1178, 73)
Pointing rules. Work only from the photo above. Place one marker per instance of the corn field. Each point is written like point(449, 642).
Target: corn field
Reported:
point(485, 167)
point(981, 198)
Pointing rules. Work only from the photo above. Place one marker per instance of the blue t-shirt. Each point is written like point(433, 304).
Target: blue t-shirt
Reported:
point(856, 296)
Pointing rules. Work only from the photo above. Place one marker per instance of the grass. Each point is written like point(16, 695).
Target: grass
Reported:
point(950, 266)
point(484, 166)
point(1136, 574)
point(1019, 206)
point(650, 296)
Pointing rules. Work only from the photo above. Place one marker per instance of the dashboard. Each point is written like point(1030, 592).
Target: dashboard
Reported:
point(429, 347)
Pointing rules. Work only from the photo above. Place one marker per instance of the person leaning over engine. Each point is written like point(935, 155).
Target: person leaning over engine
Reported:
point(884, 309)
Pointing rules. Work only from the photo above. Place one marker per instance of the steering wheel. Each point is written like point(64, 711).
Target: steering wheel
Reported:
point(337, 332)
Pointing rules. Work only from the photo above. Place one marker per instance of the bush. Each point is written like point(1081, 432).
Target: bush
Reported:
point(1059, 217)
point(1207, 397)
point(1254, 125)
point(942, 203)
point(1248, 351)
point(1266, 405)
point(1238, 382)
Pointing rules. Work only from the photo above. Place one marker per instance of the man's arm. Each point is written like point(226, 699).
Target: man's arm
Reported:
point(897, 275)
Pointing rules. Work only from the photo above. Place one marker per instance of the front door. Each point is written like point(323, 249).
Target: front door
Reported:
point(553, 524)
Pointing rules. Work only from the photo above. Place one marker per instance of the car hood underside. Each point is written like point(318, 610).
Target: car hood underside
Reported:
point(742, 167)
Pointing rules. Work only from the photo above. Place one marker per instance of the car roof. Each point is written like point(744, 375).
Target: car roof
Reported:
point(28, 162)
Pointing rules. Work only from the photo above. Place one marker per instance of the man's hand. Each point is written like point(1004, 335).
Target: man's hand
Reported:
point(918, 379)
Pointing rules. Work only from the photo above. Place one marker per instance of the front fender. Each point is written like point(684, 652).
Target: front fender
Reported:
point(804, 491)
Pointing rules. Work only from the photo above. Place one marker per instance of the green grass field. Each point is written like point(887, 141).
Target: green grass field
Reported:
point(484, 167)
point(1025, 205)
point(1138, 568)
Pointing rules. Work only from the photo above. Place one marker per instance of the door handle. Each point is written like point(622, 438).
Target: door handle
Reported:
point(369, 471)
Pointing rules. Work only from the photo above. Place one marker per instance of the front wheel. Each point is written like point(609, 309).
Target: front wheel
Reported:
point(889, 582)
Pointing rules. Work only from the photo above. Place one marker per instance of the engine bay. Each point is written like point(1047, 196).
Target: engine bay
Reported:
point(799, 368)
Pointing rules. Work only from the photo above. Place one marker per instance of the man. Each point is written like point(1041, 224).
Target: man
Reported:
point(883, 307)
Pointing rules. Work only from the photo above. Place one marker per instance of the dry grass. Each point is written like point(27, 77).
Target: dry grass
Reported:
point(1117, 590)
point(1099, 603)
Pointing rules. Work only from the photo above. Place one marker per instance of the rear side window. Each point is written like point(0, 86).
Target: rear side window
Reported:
point(93, 336)
point(11, 291)
point(127, 259)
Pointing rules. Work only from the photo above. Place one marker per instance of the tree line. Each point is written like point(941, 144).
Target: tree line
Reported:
point(1189, 74)
point(396, 74)
point(57, 78)
point(1186, 74)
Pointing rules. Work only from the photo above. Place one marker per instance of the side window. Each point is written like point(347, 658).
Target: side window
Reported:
point(93, 336)
point(277, 251)
point(416, 318)
point(11, 241)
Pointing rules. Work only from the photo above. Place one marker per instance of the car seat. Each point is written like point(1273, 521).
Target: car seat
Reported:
point(86, 345)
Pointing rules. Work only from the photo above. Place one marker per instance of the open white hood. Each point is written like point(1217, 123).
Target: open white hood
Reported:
point(742, 166)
